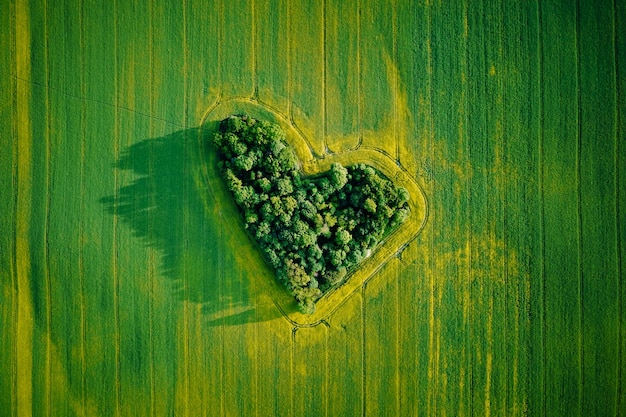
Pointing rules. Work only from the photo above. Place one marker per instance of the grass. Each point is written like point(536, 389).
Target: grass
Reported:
point(128, 289)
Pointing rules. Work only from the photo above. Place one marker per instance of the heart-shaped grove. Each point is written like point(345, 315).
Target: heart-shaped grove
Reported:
point(315, 159)
point(313, 230)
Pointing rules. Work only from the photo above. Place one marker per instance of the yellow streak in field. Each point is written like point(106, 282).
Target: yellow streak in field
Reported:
point(513, 265)
point(22, 39)
point(489, 362)
point(24, 194)
point(25, 317)
point(59, 384)
point(404, 123)
point(395, 122)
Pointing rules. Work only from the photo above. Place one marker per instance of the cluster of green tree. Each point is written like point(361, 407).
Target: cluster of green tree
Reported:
point(312, 230)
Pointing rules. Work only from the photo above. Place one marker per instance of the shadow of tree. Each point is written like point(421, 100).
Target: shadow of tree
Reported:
point(174, 211)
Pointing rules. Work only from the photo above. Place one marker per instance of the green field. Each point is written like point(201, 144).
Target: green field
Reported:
point(129, 287)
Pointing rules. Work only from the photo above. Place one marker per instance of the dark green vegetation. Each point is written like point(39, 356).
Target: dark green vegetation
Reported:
point(313, 231)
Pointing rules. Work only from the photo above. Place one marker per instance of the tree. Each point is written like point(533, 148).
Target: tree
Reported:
point(272, 257)
point(284, 186)
point(308, 210)
point(300, 227)
point(399, 216)
point(244, 162)
point(263, 229)
point(233, 124)
point(315, 252)
point(267, 211)
point(369, 205)
point(264, 184)
point(308, 238)
point(251, 217)
point(325, 187)
point(355, 256)
point(338, 176)
point(287, 159)
point(244, 195)
point(306, 297)
point(287, 235)
point(337, 257)
point(290, 204)
point(296, 275)
point(335, 276)
point(276, 146)
point(342, 237)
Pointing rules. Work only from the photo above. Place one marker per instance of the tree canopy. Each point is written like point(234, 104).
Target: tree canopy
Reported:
point(312, 230)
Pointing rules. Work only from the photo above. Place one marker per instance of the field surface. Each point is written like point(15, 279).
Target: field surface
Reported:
point(128, 288)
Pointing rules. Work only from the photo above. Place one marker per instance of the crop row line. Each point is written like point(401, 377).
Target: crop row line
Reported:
point(618, 226)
